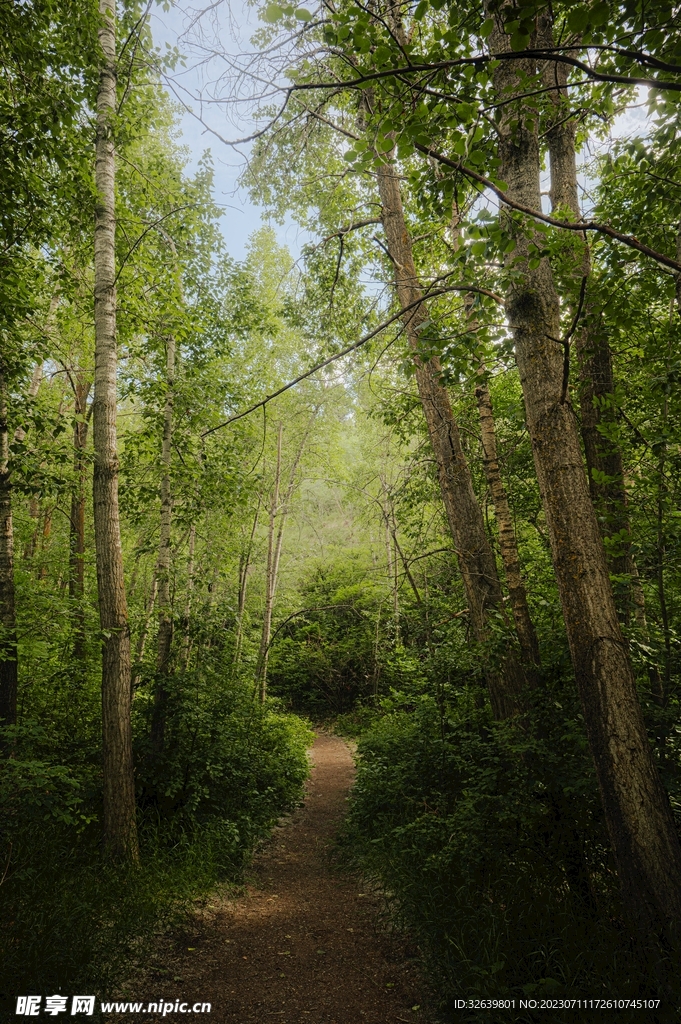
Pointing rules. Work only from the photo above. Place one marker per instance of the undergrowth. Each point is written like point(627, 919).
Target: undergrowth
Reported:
point(69, 922)
point(490, 848)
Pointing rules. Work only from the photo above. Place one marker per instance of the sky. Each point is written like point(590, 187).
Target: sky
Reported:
point(237, 24)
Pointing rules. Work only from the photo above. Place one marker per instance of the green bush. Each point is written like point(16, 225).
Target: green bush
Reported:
point(230, 769)
point(225, 756)
point(491, 849)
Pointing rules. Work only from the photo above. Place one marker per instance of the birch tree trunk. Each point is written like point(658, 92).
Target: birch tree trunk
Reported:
point(120, 827)
point(475, 556)
point(637, 811)
point(165, 617)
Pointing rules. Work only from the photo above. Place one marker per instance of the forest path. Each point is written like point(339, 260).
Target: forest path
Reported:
point(301, 945)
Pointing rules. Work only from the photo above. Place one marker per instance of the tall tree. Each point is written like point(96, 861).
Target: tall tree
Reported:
point(474, 553)
point(165, 613)
point(120, 826)
point(596, 381)
point(637, 810)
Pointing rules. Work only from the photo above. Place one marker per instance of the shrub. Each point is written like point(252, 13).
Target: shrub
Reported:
point(230, 768)
point(490, 847)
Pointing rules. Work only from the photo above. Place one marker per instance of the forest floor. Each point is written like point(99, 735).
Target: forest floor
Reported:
point(302, 942)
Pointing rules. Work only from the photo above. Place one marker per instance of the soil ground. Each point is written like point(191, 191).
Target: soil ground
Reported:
point(302, 943)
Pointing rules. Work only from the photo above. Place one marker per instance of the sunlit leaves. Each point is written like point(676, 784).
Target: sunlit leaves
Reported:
point(275, 12)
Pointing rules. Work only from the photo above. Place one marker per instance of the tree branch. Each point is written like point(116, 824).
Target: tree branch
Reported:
point(568, 225)
point(331, 359)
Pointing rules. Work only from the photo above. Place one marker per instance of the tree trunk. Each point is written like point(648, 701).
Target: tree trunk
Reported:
point(596, 383)
point(527, 635)
point(144, 632)
point(120, 828)
point(77, 520)
point(186, 643)
point(274, 556)
point(603, 457)
point(637, 811)
point(244, 568)
point(270, 579)
point(165, 616)
point(8, 638)
point(476, 558)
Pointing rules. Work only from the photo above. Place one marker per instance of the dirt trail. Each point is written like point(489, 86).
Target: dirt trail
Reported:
point(301, 945)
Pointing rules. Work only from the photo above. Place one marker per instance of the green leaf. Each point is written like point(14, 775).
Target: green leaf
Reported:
point(486, 28)
point(272, 13)
point(519, 41)
point(599, 14)
point(465, 111)
point(303, 15)
point(420, 11)
point(578, 19)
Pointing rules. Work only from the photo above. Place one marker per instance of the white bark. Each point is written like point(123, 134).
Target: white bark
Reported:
point(120, 828)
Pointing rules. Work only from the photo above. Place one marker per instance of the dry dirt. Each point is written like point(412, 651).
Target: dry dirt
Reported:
point(302, 944)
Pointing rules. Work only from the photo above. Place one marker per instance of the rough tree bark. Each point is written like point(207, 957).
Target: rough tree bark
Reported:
point(120, 827)
point(596, 381)
point(475, 556)
point(637, 811)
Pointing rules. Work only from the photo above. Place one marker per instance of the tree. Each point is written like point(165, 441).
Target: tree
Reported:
point(120, 827)
point(636, 807)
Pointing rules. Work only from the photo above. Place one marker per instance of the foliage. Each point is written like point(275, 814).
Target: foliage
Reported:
point(479, 836)
point(66, 920)
point(487, 838)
